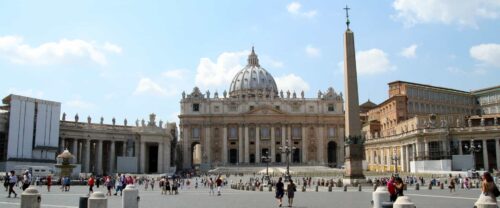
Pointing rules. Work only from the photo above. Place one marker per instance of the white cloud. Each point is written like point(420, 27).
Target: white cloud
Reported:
point(312, 51)
point(148, 86)
point(292, 83)
point(410, 51)
point(112, 48)
point(15, 50)
point(486, 53)
point(79, 104)
point(175, 74)
point(460, 12)
point(210, 74)
point(26, 92)
point(369, 62)
point(295, 9)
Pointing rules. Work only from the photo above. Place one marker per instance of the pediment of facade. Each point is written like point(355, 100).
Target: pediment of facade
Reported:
point(265, 110)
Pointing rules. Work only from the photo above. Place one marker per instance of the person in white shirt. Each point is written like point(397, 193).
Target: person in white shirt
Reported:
point(12, 182)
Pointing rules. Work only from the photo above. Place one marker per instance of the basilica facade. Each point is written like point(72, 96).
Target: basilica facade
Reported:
point(254, 121)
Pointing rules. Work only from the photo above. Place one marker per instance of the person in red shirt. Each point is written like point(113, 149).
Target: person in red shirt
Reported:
point(49, 183)
point(392, 189)
point(219, 185)
point(90, 183)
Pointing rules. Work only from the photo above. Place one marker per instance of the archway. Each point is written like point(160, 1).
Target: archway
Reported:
point(278, 157)
point(233, 156)
point(252, 158)
point(296, 156)
point(332, 154)
point(195, 154)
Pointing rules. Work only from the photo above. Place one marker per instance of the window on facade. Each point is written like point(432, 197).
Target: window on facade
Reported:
point(331, 132)
point(216, 132)
point(277, 107)
point(196, 107)
point(295, 108)
point(434, 150)
point(264, 133)
point(296, 133)
point(216, 108)
point(331, 107)
point(195, 132)
point(251, 107)
point(251, 133)
point(233, 108)
point(311, 109)
point(277, 133)
point(233, 133)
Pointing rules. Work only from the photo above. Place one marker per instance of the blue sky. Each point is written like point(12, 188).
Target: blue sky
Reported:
point(126, 59)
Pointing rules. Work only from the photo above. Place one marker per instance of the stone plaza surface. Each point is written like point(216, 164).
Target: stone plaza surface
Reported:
point(235, 198)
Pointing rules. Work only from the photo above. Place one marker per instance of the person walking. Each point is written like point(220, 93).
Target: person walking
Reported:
point(392, 189)
point(280, 191)
point(6, 181)
point(12, 183)
point(109, 185)
point(90, 183)
point(26, 180)
point(488, 187)
point(452, 184)
point(49, 182)
point(219, 185)
point(291, 189)
point(211, 187)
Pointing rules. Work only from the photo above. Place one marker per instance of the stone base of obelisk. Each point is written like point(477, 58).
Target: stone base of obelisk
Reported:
point(353, 180)
point(354, 165)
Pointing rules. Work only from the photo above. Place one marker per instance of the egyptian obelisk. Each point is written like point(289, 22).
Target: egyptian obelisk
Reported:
point(354, 142)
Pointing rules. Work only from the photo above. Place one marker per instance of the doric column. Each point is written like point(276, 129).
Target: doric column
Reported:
point(426, 149)
point(497, 151)
point(74, 150)
point(61, 145)
point(160, 157)
point(207, 150)
point(460, 148)
point(257, 145)
point(87, 155)
point(167, 153)
point(99, 157)
point(187, 151)
point(273, 146)
point(407, 157)
point(283, 138)
point(241, 153)
point(224, 145)
point(416, 150)
point(247, 144)
point(304, 145)
point(112, 157)
point(142, 158)
point(485, 156)
point(402, 159)
point(290, 143)
point(320, 138)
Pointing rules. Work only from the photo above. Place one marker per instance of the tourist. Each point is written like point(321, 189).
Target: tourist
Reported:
point(152, 184)
point(488, 187)
point(392, 189)
point(90, 183)
point(49, 182)
point(109, 185)
point(167, 186)
point(452, 184)
point(211, 187)
point(97, 181)
point(6, 181)
point(12, 183)
point(146, 184)
point(291, 189)
point(67, 183)
point(175, 185)
point(219, 185)
point(26, 180)
point(118, 184)
point(280, 191)
point(398, 187)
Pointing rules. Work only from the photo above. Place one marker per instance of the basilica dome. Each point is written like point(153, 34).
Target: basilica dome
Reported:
point(253, 80)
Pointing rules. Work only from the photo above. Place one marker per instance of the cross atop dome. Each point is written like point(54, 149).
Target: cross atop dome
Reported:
point(347, 16)
point(253, 60)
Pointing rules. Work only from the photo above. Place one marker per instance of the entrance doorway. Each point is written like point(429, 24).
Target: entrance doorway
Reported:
point(195, 154)
point(153, 159)
point(332, 154)
point(233, 156)
point(296, 156)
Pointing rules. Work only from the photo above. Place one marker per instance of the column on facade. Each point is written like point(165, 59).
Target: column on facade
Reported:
point(497, 151)
point(61, 144)
point(207, 156)
point(407, 158)
point(166, 156)
point(460, 148)
point(247, 146)
point(142, 157)
point(75, 150)
point(160, 157)
point(321, 146)
point(290, 143)
point(485, 156)
point(416, 150)
point(240, 145)
point(426, 149)
point(304, 145)
point(383, 158)
point(112, 157)
point(402, 158)
point(283, 138)
point(273, 146)
point(186, 148)
point(257, 145)
point(224, 145)
point(124, 148)
point(87, 155)
point(99, 169)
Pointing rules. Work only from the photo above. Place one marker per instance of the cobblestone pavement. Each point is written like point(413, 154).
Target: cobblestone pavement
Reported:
point(235, 198)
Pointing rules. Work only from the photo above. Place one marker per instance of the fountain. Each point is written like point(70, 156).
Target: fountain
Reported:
point(65, 166)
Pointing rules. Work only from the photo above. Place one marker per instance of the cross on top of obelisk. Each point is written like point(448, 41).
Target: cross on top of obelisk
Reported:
point(347, 15)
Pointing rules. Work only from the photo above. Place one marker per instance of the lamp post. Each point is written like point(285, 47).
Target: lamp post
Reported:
point(266, 159)
point(395, 158)
point(287, 150)
point(473, 149)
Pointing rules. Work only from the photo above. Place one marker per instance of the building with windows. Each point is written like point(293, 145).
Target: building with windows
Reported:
point(255, 118)
point(427, 128)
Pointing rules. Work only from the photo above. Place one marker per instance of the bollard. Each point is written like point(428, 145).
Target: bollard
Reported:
point(253, 188)
point(379, 196)
point(98, 200)
point(83, 203)
point(30, 198)
point(261, 188)
point(130, 197)
point(442, 186)
point(330, 188)
point(270, 188)
point(317, 188)
point(303, 188)
point(417, 187)
point(405, 186)
point(247, 188)
point(462, 185)
point(359, 187)
point(485, 202)
point(345, 188)
point(430, 186)
point(403, 202)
